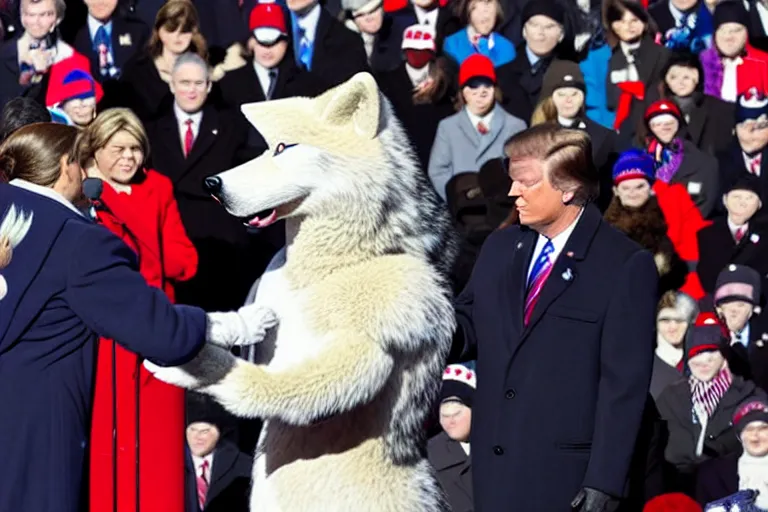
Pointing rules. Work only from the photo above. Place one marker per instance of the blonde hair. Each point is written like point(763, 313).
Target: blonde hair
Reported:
point(567, 155)
point(97, 134)
point(33, 152)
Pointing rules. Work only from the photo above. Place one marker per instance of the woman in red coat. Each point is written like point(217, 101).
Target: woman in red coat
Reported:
point(149, 445)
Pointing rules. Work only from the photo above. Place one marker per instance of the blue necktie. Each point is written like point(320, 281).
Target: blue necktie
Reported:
point(305, 50)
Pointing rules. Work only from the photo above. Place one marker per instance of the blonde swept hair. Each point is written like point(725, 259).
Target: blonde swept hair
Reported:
point(97, 134)
point(567, 155)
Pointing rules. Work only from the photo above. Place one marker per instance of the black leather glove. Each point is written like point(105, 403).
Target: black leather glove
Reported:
point(592, 500)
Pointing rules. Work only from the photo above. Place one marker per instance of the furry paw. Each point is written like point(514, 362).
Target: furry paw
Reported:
point(210, 366)
point(248, 326)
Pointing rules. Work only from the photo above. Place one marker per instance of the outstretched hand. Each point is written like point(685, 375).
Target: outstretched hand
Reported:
point(247, 326)
point(592, 500)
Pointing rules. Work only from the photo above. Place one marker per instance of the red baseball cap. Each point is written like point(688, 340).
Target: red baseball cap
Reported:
point(267, 22)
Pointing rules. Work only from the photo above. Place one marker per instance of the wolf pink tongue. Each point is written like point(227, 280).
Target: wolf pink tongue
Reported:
point(262, 223)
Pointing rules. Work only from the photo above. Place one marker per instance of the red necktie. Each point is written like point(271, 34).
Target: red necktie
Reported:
point(189, 138)
point(739, 234)
point(482, 128)
point(202, 484)
point(754, 166)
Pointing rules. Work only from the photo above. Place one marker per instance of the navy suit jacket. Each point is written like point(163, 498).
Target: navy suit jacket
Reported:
point(559, 402)
point(68, 281)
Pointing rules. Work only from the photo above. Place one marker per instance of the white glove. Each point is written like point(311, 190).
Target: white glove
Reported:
point(247, 326)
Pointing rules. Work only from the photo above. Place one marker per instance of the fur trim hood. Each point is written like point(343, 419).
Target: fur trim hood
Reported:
point(234, 59)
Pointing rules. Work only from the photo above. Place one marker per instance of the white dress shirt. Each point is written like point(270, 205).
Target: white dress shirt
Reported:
point(762, 12)
point(558, 242)
point(262, 74)
point(308, 23)
point(44, 191)
point(729, 91)
point(734, 228)
point(748, 162)
point(198, 462)
point(417, 75)
point(741, 337)
point(569, 123)
point(425, 17)
point(475, 120)
point(94, 24)
point(182, 117)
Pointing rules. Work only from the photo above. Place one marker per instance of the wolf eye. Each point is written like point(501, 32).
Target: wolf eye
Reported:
point(282, 147)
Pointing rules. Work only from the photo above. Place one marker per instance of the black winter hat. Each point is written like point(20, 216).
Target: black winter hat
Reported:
point(686, 60)
point(459, 383)
point(737, 282)
point(746, 181)
point(746, 413)
point(562, 73)
point(730, 11)
point(704, 338)
point(548, 8)
point(201, 408)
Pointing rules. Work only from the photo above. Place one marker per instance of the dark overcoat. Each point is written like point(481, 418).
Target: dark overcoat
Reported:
point(230, 485)
point(454, 471)
point(68, 281)
point(560, 403)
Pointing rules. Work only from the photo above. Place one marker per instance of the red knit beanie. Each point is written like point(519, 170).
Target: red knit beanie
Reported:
point(476, 66)
point(672, 502)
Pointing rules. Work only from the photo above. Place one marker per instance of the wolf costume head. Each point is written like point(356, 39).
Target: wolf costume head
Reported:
point(341, 155)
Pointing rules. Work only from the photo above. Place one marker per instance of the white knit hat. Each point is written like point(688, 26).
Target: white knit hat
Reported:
point(419, 37)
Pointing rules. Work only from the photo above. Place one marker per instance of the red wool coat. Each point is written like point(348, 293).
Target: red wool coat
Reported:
point(683, 223)
point(148, 221)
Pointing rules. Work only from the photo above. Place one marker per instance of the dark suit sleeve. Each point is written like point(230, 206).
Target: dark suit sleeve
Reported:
point(110, 296)
point(711, 186)
point(626, 360)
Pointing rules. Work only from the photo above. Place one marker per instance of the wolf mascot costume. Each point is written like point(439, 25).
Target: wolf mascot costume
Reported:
point(357, 309)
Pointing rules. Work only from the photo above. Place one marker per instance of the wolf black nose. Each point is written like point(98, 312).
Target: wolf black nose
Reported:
point(212, 184)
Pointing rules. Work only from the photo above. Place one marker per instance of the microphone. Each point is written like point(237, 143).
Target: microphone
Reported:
point(92, 189)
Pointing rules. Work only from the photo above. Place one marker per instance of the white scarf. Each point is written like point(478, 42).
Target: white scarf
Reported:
point(753, 474)
point(667, 352)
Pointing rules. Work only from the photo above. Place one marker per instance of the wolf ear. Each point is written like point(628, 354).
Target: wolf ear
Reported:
point(357, 102)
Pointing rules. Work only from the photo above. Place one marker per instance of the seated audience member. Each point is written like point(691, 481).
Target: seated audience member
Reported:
point(748, 470)
point(672, 502)
point(266, 73)
point(449, 451)
point(73, 94)
point(660, 217)
point(683, 24)
point(636, 62)
point(323, 46)
point(677, 159)
point(20, 112)
point(544, 33)
point(109, 40)
point(421, 89)
point(380, 33)
point(675, 314)
point(481, 18)
point(218, 475)
point(147, 75)
point(737, 301)
point(736, 238)
point(433, 13)
point(198, 141)
point(698, 410)
point(28, 58)
point(562, 102)
point(732, 66)
point(706, 117)
point(748, 153)
point(475, 134)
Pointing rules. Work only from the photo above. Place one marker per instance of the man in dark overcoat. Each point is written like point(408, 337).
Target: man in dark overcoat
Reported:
point(559, 314)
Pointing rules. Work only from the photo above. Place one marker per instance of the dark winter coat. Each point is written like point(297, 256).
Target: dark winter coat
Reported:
point(751, 362)
point(698, 172)
point(230, 482)
point(662, 377)
point(717, 478)
point(520, 86)
point(69, 281)
point(676, 408)
point(454, 471)
point(595, 312)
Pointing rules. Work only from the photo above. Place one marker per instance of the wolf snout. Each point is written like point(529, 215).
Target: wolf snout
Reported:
point(212, 185)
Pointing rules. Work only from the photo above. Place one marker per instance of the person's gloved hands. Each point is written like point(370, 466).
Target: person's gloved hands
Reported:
point(592, 500)
point(246, 326)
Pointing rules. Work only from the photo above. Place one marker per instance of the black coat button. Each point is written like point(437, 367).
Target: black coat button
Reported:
point(510, 394)
point(498, 450)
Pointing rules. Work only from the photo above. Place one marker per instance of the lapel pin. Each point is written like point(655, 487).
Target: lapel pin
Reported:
point(570, 255)
point(519, 245)
point(125, 40)
point(754, 238)
point(567, 275)
point(215, 131)
point(760, 343)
